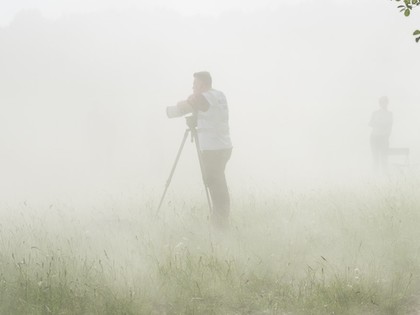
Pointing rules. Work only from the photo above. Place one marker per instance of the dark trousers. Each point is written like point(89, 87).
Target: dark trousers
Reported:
point(214, 163)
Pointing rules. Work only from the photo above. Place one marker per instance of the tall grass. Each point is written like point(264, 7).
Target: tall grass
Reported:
point(336, 251)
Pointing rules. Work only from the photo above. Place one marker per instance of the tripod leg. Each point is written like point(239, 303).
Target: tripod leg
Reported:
point(168, 182)
point(203, 171)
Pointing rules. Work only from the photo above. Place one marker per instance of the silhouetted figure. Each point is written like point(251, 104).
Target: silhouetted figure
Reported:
point(381, 123)
point(212, 113)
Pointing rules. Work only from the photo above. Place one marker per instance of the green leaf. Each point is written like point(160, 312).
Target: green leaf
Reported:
point(417, 39)
point(416, 32)
point(407, 12)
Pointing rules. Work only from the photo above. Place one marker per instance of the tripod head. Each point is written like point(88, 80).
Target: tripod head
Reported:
point(191, 121)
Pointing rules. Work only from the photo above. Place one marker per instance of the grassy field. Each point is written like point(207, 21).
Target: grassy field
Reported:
point(329, 251)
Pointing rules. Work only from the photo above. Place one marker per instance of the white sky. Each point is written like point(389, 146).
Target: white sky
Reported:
point(56, 8)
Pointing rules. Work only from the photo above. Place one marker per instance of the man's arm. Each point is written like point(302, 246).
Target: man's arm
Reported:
point(199, 102)
point(196, 102)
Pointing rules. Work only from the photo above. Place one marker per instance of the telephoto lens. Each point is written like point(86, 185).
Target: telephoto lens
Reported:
point(173, 112)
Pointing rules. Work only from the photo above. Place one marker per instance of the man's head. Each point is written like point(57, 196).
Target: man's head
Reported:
point(202, 82)
point(383, 102)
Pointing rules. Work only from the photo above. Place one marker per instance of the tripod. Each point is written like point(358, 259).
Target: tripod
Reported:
point(192, 128)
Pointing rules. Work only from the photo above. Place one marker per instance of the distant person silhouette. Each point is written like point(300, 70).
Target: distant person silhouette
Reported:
point(381, 123)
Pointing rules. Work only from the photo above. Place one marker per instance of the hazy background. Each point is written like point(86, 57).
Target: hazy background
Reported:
point(84, 86)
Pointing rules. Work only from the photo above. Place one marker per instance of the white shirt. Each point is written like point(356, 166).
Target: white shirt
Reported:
point(213, 124)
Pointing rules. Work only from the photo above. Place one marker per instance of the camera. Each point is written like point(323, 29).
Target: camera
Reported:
point(175, 112)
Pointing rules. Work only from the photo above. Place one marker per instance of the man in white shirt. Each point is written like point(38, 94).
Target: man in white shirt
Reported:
point(381, 123)
point(211, 108)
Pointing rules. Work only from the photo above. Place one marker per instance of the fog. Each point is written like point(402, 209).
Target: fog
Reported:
point(83, 95)
point(86, 149)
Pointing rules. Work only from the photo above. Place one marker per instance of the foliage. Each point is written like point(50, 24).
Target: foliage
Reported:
point(406, 7)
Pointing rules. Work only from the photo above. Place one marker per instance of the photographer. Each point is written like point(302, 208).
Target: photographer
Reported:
point(211, 109)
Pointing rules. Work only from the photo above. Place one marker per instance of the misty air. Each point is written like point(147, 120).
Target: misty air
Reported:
point(225, 157)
